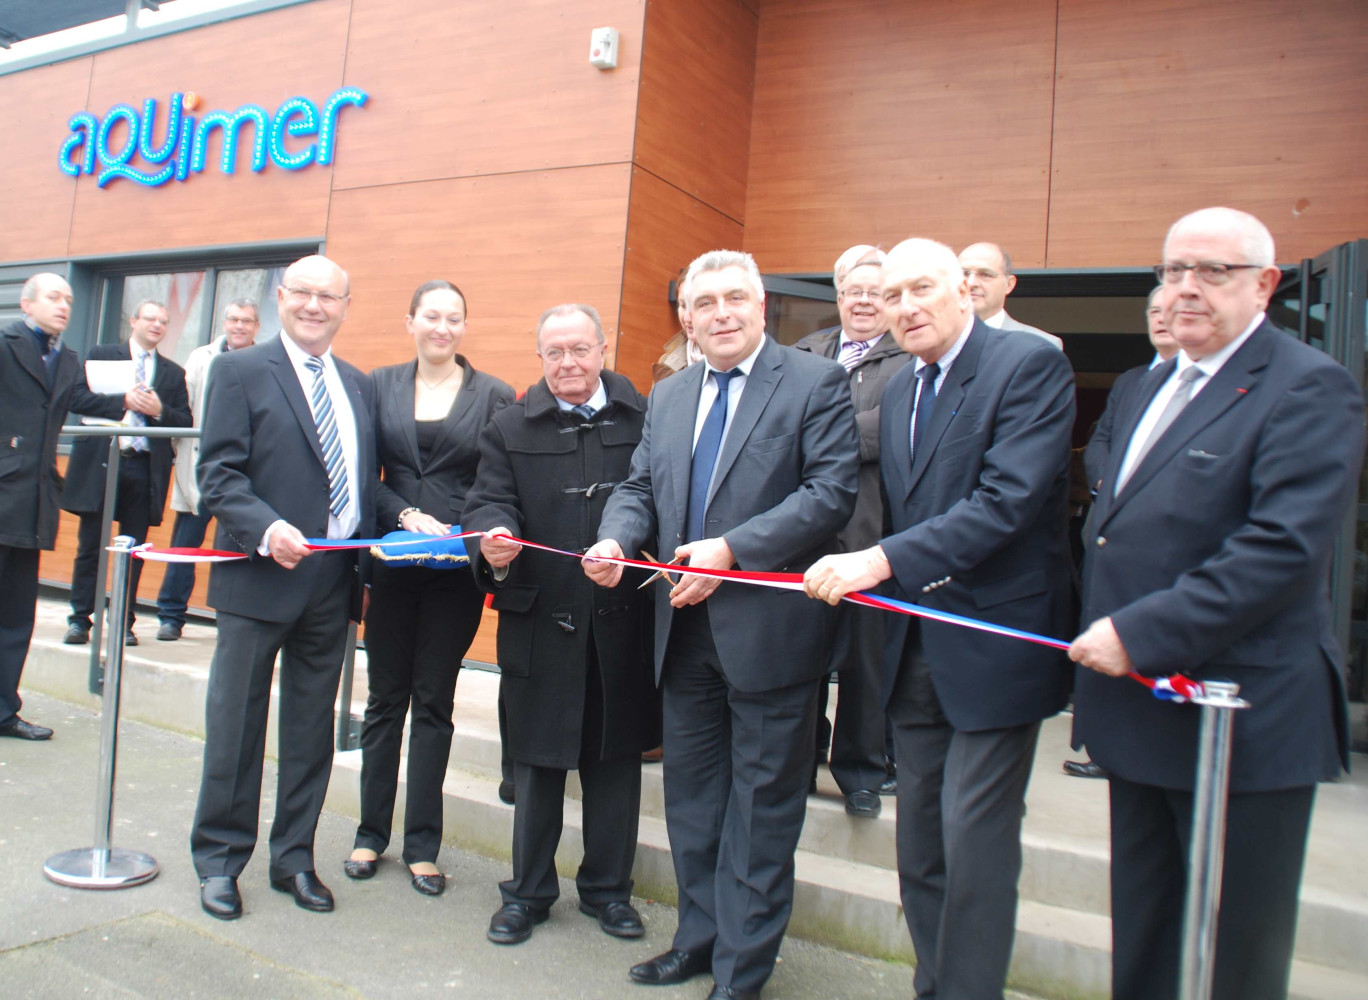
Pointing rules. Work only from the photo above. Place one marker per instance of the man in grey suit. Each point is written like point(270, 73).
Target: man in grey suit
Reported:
point(989, 270)
point(974, 452)
point(750, 460)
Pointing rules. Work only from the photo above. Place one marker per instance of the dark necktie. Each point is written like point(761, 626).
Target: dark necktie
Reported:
point(705, 455)
point(585, 410)
point(926, 399)
point(329, 439)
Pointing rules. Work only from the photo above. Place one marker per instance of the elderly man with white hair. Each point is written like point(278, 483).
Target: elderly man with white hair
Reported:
point(974, 454)
point(1209, 554)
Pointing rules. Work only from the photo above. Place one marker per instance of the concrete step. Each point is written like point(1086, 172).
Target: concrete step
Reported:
point(847, 888)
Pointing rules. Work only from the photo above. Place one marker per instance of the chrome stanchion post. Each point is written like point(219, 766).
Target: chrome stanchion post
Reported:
point(348, 725)
point(103, 866)
point(96, 678)
point(1218, 703)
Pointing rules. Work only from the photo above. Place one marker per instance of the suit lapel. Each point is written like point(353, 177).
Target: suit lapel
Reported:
point(285, 376)
point(755, 396)
point(677, 432)
point(27, 354)
point(948, 400)
point(460, 406)
point(400, 402)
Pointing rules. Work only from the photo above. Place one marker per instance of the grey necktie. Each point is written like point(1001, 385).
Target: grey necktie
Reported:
point(329, 439)
point(1176, 402)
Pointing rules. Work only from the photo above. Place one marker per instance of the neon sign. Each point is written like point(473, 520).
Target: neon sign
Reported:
point(179, 146)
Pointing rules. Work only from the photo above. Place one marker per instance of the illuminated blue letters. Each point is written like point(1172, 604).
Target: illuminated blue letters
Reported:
point(180, 146)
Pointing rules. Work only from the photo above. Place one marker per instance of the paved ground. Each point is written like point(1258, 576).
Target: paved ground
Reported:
point(384, 940)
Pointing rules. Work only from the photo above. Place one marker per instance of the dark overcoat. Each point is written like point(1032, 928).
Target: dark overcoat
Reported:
point(31, 415)
point(545, 474)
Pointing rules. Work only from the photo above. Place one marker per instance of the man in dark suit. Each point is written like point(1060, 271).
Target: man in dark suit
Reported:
point(37, 376)
point(751, 461)
point(988, 267)
point(287, 453)
point(974, 451)
point(1210, 555)
point(158, 399)
point(577, 682)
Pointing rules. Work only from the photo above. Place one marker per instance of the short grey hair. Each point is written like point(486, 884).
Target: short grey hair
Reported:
point(1256, 242)
point(244, 303)
point(569, 309)
point(938, 253)
point(137, 310)
point(720, 260)
point(1154, 294)
point(861, 253)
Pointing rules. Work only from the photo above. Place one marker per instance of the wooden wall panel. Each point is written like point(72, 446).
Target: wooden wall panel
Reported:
point(1259, 105)
point(486, 87)
point(880, 120)
point(564, 242)
point(34, 109)
point(697, 85)
point(263, 59)
point(666, 229)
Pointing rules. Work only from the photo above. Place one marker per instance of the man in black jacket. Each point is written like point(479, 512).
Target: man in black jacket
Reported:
point(577, 681)
point(158, 399)
point(37, 375)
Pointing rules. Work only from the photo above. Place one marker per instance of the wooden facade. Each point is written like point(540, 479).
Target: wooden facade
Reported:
point(491, 152)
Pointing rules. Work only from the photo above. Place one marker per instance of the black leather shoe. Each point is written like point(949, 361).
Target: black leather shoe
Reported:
point(513, 923)
point(1084, 769)
point(864, 803)
point(429, 885)
point(672, 967)
point(220, 898)
point(308, 891)
point(359, 869)
point(731, 993)
point(17, 728)
point(76, 635)
point(130, 639)
point(620, 919)
point(168, 632)
point(507, 794)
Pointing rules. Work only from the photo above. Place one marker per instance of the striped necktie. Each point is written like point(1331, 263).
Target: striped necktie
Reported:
point(851, 353)
point(136, 419)
point(329, 439)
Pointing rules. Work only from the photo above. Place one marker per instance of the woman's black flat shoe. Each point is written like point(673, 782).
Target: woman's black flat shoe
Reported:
point(358, 869)
point(430, 885)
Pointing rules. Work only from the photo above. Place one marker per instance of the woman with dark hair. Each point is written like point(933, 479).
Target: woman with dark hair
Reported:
point(421, 621)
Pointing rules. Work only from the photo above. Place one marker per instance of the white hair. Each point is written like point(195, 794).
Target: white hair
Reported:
point(720, 260)
point(938, 254)
point(570, 309)
point(1256, 242)
point(861, 253)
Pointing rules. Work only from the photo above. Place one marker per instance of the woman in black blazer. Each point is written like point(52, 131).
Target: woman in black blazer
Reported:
point(421, 622)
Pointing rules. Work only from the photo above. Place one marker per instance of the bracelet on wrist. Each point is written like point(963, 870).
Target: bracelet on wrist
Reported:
point(407, 510)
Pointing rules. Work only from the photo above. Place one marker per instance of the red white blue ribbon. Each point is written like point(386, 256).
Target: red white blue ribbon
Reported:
point(1175, 687)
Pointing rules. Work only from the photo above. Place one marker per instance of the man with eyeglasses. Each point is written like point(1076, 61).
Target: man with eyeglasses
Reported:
point(1209, 555)
point(158, 399)
point(287, 454)
point(575, 664)
point(989, 270)
point(240, 324)
point(862, 344)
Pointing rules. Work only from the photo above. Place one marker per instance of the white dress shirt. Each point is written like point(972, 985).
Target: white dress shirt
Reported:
point(136, 353)
point(1208, 366)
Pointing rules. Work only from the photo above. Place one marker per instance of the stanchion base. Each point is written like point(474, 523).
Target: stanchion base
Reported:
point(87, 868)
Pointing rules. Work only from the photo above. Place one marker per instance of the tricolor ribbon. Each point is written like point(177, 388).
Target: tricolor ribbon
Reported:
point(1175, 688)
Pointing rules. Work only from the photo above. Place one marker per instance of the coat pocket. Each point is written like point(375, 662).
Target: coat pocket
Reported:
point(515, 628)
point(1014, 588)
point(10, 464)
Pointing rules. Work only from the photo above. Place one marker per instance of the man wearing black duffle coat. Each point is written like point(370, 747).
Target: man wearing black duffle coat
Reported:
point(576, 659)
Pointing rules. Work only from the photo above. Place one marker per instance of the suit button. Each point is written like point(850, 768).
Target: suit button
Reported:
point(1101, 543)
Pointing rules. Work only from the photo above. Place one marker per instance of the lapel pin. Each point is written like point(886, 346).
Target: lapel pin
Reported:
point(1242, 391)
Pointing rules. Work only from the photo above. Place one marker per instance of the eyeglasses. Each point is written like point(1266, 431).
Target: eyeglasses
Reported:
point(860, 294)
point(579, 352)
point(982, 273)
point(1208, 271)
point(325, 299)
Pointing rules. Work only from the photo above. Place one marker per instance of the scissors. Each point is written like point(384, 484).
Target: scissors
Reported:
point(660, 572)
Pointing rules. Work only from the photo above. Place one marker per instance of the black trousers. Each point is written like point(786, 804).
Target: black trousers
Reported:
point(858, 742)
point(133, 511)
point(19, 585)
point(737, 766)
point(611, 814)
point(1265, 848)
point(419, 626)
point(961, 799)
point(311, 649)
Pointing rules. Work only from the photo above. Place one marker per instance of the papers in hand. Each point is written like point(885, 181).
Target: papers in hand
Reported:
point(110, 376)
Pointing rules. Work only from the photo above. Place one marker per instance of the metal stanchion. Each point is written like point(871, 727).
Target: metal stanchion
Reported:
point(348, 725)
point(1203, 904)
point(102, 866)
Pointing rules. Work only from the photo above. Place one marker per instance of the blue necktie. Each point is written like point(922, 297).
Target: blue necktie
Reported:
point(584, 410)
point(329, 439)
point(925, 401)
point(705, 455)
